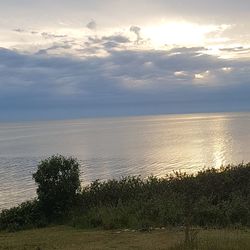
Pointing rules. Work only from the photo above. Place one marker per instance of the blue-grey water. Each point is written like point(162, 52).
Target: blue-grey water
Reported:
point(115, 147)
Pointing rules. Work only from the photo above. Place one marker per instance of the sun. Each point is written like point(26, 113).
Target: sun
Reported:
point(178, 33)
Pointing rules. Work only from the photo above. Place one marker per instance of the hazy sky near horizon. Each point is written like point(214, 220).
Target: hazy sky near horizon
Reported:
point(72, 58)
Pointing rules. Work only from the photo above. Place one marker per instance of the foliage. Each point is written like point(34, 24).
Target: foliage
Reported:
point(26, 215)
point(211, 198)
point(58, 183)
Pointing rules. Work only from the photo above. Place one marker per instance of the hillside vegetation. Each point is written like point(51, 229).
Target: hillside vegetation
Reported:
point(212, 198)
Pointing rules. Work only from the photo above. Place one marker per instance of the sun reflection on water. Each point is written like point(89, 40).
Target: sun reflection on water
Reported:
point(114, 147)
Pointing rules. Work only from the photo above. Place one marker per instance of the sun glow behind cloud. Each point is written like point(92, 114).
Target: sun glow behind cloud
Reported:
point(178, 33)
point(86, 41)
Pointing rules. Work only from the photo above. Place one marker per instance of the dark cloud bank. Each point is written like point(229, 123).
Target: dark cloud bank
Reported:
point(41, 86)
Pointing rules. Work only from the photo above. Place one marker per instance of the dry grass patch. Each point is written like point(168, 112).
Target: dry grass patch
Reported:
point(68, 238)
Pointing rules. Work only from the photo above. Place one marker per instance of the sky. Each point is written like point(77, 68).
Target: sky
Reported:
point(65, 59)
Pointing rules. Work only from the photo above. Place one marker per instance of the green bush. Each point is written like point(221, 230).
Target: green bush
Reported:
point(211, 198)
point(26, 215)
point(58, 184)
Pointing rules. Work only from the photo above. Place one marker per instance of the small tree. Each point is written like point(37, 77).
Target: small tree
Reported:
point(58, 183)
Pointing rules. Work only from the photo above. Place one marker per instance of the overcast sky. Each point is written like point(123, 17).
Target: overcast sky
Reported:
point(72, 58)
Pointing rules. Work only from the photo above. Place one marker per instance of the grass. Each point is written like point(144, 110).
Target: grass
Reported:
point(63, 237)
point(219, 240)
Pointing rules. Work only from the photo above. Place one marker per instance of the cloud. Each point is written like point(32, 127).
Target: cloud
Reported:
point(104, 44)
point(116, 39)
point(48, 35)
point(54, 47)
point(137, 31)
point(165, 79)
point(236, 50)
point(220, 11)
point(91, 25)
point(19, 30)
point(54, 62)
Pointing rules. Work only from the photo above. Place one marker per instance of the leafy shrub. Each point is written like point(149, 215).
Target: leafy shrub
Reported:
point(58, 183)
point(26, 215)
point(211, 198)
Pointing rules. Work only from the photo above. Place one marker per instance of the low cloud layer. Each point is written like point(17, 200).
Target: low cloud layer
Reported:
point(175, 80)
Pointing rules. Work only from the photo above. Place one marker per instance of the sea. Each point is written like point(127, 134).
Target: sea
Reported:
point(115, 147)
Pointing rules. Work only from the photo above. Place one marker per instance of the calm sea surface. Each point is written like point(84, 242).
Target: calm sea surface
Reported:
point(115, 147)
